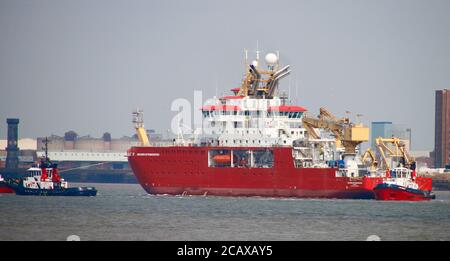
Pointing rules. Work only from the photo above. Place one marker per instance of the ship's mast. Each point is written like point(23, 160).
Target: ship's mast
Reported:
point(138, 120)
point(46, 149)
point(259, 82)
point(246, 59)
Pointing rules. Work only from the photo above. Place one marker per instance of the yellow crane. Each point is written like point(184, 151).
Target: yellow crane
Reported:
point(324, 114)
point(138, 120)
point(370, 157)
point(347, 134)
point(393, 148)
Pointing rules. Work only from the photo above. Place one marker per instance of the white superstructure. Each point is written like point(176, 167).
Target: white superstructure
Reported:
point(35, 180)
point(402, 177)
point(246, 121)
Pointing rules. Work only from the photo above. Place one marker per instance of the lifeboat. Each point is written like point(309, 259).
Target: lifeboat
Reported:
point(222, 158)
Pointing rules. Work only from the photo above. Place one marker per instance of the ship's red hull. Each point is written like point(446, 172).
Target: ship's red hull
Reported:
point(185, 171)
point(5, 189)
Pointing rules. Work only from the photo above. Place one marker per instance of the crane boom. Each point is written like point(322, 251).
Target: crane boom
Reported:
point(369, 154)
point(398, 151)
point(345, 133)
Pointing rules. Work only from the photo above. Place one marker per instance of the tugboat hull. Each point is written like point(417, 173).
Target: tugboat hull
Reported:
point(395, 192)
point(78, 191)
point(5, 189)
point(4, 186)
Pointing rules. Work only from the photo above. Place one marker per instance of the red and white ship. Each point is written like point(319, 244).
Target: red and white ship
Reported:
point(401, 184)
point(252, 143)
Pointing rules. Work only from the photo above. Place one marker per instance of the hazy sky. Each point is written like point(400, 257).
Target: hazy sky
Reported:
point(85, 65)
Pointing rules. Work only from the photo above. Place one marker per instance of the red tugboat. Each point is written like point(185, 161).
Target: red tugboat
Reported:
point(44, 180)
point(252, 143)
point(401, 182)
point(4, 187)
point(401, 185)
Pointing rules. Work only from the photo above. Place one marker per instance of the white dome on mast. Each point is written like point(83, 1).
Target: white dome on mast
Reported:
point(271, 59)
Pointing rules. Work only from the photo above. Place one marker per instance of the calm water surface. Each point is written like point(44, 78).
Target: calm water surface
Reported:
point(126, 212)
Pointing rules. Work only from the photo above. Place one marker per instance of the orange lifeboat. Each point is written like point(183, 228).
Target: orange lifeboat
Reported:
point(222, 158)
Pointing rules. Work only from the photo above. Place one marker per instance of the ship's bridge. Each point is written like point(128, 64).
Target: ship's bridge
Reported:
point(291, 112)
point(249, 121)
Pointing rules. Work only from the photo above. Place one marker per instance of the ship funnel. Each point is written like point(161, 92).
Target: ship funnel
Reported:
point(276, 78)
point(279, 77)
point(257, 78)
point(285, 68)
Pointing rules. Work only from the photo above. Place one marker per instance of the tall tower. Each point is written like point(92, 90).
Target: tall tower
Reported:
point(12, 150)
point(442, 129)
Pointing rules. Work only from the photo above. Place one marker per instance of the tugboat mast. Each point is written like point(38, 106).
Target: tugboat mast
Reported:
point(46, 148)
point(46, 158)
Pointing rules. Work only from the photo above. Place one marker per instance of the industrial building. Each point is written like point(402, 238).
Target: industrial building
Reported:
point(442, 129)
point(89, 159)
point(387, 129)
point(80, 158)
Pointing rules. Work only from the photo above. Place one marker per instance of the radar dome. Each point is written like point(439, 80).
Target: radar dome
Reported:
point(255, 63)
point(271, 58)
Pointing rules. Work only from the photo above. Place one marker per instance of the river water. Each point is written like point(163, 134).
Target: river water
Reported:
point(126, 212)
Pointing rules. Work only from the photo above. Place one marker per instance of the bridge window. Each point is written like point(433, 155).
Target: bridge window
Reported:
point(207, 114)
